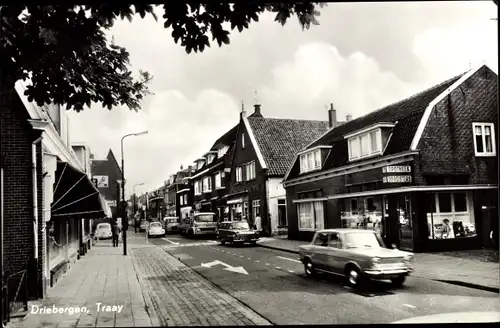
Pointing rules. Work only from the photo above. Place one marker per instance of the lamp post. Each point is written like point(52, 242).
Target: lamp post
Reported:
point(133, 210)
point(123, 191)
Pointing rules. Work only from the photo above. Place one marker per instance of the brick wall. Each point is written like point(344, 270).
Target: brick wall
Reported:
point(17, 136)
point(447, 144)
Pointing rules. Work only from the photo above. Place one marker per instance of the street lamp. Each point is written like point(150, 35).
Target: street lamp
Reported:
point(123, 191)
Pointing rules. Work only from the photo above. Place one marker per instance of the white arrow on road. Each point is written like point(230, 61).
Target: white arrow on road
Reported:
point(239, 269)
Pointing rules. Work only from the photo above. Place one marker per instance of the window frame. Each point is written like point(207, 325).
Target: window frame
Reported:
point(250, 171)
point(197, 189)
point(255, 205)
point(218, 177)
point(482, 125)
point(356, 154)
point(308, 166)
point(315, 218)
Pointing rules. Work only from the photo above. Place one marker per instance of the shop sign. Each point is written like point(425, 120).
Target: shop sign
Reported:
point(397, 179)
point(102, 181)
point(396, 169)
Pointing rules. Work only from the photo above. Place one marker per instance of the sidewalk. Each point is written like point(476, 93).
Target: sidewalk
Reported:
point(467, 272)
point(146, 288)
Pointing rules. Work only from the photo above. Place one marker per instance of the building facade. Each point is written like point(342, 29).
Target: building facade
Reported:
point(264, 148)
point(422, 171)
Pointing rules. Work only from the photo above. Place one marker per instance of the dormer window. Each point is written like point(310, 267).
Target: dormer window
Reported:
point(366, 144)
point(310, 161)
point(210, 158)
point(222, 151)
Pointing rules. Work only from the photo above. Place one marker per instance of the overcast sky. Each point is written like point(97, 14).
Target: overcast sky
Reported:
point(362, 56)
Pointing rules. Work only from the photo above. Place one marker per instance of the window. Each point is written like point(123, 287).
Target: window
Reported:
point(239, 174)
point(310, 161)
point(222, 151)
point(484, 139)
point(181, 200)
point(245, 209)
point(218, 180)
point(242, 140)
point(365, 145)
point(362, 213)
point(210, 159)
point(185, 199)
point(321, 239)
point(311, 216)
point(207, 184)
point(449, 215)
point(334, 240)
point(197, 189)
point(199, 165)
point(255, 208)
point(282, 222)
point(250, 171)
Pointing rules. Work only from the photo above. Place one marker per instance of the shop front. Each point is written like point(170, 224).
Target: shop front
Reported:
point(238, 208)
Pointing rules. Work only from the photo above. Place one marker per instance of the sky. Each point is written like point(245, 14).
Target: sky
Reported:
point(361, 57)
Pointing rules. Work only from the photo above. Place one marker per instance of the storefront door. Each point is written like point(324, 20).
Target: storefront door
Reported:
point(405, 223)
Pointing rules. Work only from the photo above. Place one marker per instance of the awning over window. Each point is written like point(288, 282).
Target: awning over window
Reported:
point(76, 195)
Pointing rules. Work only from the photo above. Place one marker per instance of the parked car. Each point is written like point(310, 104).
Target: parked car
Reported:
point(236, 232)
point(359, 255)
point(199, 224)
point(155, 229)
point(103, 231)
point(171, 224)
point(144, 225)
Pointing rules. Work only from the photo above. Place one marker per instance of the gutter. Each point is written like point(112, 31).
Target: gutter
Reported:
point(35, 194)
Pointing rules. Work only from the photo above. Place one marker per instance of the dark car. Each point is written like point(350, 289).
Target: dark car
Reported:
point(236, 232)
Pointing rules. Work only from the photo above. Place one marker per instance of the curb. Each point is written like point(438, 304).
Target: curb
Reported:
point(452, 282)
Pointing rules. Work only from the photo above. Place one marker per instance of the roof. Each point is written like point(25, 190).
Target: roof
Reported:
point(227, 139)
point(101, 165)
point(280, 139)
point(407, 113)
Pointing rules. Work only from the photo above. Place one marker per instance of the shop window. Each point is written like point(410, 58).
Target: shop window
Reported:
point(362, 213)
point(245, 209)
point(452, 216)
point(354, 204)
point(255, 208)
point(311, 216)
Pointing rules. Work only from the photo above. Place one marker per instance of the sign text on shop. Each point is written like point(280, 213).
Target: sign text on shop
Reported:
point(397, 179)
point(396, 169)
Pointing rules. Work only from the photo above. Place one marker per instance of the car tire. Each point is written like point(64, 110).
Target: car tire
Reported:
point(222, 241)
point(253, 243)
point(353, 276)
point(399, 281)
point(191, 234)
point(309, 268)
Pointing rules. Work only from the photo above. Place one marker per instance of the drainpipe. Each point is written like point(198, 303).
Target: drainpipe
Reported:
point(35, 194)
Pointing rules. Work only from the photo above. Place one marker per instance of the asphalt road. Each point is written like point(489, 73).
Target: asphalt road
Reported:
point(274, 285)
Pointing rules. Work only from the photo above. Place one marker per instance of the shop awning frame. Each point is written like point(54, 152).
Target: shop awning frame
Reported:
point(76, 195)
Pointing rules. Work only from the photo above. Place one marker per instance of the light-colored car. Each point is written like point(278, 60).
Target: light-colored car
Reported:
point(155, 229)
point(359, 255)
point(202, 223)
point(171, 224)
point(236, 232)
point(144, 225)
point(103, 231)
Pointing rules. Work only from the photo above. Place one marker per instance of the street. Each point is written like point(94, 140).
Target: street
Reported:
point(273, 284)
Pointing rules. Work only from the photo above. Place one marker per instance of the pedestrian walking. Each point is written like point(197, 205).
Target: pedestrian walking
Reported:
point(258, 224)
point(116, 233)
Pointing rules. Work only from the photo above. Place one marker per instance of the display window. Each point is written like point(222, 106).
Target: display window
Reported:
point(362, 213)
point(450, 215)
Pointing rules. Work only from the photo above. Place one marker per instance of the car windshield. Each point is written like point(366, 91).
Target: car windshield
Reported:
point(172, 220)
point(240, 226)
point(204, 218)
point(363, 240)
point(155, 225)
point(104, 226)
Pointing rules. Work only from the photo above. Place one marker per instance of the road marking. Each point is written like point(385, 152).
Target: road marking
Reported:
point(239, 269)
point(279, 268)
point(410, 306)
point(257, 261)
point(291, 271)
point(289, 259)
point(170, 241)
point(241, 256)
point(248, 258)
point(267, 263)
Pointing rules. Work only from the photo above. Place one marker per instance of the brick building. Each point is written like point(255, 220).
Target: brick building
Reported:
point(263, 151)
point(45, 193)
point(422, 171)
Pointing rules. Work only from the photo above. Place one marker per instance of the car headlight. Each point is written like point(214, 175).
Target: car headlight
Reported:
point(408, 258)
point(375, 260)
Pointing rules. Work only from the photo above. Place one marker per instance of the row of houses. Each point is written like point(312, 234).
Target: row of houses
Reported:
point(421, 171)
point(49, 201)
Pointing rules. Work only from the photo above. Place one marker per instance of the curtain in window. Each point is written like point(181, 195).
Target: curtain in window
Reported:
point(306, 216)
point(319, 215)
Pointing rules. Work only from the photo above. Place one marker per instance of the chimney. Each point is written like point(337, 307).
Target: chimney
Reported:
point(348, 118)
point(190, 169)
point(332, 116)
point(243, 112)
point(256, 111)
point(182, 167)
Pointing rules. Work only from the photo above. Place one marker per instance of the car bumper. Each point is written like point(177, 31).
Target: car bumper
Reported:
point(244, 239)
point(205, 232)
point(387, 274)
point(154, 234)
point(172, 229)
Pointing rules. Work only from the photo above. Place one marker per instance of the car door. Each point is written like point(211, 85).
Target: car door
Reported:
point(320, 251)
point(334, 257)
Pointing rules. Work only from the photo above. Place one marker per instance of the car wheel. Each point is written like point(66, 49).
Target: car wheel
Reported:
point(309, 268)
point(354, 277)
point(191, 234)
point(253, 243)
point(222, 241)
point(399, 281)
